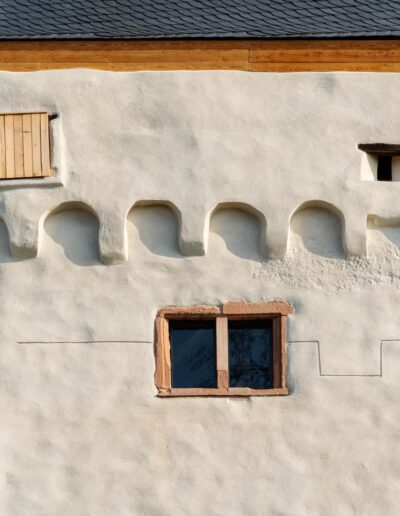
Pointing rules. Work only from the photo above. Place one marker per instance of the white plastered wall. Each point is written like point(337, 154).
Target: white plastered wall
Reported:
point(243, 186)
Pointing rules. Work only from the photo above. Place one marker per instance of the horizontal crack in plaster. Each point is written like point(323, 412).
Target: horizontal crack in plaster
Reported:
point(85, 342)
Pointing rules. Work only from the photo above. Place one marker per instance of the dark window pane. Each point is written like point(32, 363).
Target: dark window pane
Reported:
point(250, 354)
point(193, 354)
point(384, 168)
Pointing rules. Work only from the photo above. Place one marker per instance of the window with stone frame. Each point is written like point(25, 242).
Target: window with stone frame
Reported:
point(238, 349)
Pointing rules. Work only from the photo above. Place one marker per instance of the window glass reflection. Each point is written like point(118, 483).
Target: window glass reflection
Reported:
point(193, 354)
point(250, 354)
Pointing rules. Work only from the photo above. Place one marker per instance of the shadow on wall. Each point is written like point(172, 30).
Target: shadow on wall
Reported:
point(155, 229)
point(75, 233)
point(237, 231)
point(318, 231)
point(5, 252)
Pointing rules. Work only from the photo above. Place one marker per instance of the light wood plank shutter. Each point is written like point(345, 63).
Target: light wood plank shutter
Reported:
point(2, 149)
point(24, 146)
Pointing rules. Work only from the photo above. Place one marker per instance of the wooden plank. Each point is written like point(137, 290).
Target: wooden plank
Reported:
point(124, 56)
point(36, 146)
point(353, 44)
point(324, 56)
point(324, 51)
point(18, 147)
point(45, 144)
point(324, 67)
point(252, 67)
point(9, 131)
point(122, 67)
point(166, 59)
point(2, 149)
point(27, 137)
point(129, 56)
point(116, 45)
point(267, 55)
point(277, 352)
point(380, 149)
point(222, 352)
point(123, 51)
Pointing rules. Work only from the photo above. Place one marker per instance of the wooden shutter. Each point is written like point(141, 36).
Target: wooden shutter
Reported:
point(24, 146)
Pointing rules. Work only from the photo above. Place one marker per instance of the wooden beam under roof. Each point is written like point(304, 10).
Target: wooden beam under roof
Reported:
point(250, 55)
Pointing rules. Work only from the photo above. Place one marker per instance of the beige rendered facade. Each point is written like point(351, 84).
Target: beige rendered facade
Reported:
point(200, 188)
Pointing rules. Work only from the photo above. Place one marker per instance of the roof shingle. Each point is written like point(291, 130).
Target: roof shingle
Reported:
point(143, 19)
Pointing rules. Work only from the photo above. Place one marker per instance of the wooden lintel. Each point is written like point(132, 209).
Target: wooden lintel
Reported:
point(380, 149)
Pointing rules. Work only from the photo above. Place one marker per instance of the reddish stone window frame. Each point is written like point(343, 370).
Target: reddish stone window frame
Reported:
point(277, 311)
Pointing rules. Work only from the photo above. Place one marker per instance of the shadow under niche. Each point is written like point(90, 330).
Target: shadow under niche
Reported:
point(237, 231)
point(155, 229)
point(76, 232)
point(318, 231)
point(5, 252)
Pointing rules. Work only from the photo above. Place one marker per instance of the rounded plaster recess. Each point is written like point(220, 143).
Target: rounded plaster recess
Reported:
point(317, 230)
point(154, 229)
point(237, 230)
point(72, 231)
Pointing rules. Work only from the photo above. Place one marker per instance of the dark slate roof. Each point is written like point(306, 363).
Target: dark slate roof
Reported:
point(138, 19)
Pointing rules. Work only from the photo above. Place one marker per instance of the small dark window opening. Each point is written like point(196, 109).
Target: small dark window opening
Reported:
point(384, 168)
point(250, 354)
point(193, 354)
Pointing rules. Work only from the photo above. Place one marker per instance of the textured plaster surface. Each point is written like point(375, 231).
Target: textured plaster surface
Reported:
point(82, 431)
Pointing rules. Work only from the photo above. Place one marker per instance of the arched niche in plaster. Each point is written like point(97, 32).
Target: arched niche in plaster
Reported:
point(71, 229)
point(153, 226)
point(238, 228)
point(383, 236)
point(317, 227)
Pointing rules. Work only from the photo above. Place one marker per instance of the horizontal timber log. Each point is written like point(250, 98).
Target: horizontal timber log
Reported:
point(251, 55)
point(380, 149)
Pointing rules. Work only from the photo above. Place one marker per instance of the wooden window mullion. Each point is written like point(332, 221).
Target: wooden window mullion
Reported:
point(163, 355)
point(222, 353)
